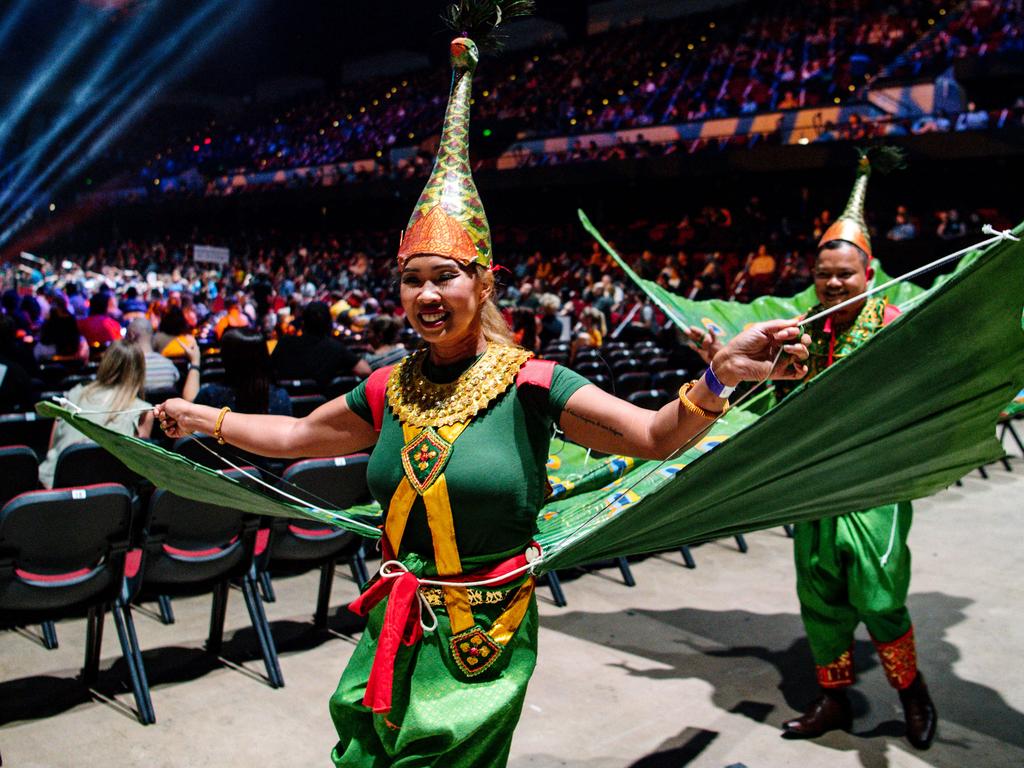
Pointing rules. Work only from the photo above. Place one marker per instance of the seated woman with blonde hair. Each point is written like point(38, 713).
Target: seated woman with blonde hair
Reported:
point(112, 400)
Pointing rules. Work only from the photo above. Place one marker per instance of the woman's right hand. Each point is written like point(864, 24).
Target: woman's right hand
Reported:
point(171, 416)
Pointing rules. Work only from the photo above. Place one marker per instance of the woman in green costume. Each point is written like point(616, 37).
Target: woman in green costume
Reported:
point(460, 433)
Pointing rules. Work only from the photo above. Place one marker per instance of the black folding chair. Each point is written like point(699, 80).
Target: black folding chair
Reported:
point(671, 380)
point(192, 548)
point(300, 386)
point(652, 399)
point(86, 463)
point(206, 451)
point(341, 385)
point(555, 347)
point(554, 583)
point(160, 394)
point(69, 382)
point(64, 552)
point(591, 368)
point(212, 375)
point(298, 546)
point(54, 372)
point(303, 405)
point(588, 355)
point(26, 429)
point(633, 381)
point(628, 365)
point(19, 471)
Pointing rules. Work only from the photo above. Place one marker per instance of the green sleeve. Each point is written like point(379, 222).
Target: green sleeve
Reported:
point(358, 404)
point(564, 383)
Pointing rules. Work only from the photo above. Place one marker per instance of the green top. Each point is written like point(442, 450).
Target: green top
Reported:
point(496, 475)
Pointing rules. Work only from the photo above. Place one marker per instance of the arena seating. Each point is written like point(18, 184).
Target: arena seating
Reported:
point(734, 62)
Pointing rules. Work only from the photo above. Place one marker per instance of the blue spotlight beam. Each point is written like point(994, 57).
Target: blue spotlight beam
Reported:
point(63, 53)
point(177, 69)
point(129, 83)
point(85, 94)
point(11, 19)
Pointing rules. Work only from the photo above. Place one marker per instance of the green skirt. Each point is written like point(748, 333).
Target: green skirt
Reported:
point(438, 717)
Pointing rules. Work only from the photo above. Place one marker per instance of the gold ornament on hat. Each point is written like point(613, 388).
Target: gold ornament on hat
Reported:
point(449, 218)
point(851, 226)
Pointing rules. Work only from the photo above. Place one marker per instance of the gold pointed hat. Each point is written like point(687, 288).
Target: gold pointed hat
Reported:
point(851, 226)
point(449, 218)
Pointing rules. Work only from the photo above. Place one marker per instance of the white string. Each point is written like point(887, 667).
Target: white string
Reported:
point(67, 405)
point(892, 536)
point(285, 494)
point(430, 610)
point(386, 573)
point(997, 236)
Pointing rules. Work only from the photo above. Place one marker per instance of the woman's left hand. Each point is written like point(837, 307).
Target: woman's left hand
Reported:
point(751, 354)
point(169, 415)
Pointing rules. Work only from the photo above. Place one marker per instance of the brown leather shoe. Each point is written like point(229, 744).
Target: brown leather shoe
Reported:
point(919, 713)
point(829, 712)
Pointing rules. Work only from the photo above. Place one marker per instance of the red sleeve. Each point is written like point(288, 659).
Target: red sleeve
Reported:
point(536, 372)
point(376, 389)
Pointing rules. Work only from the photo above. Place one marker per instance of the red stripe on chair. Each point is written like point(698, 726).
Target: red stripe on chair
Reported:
point(312, 532)
point(132, 563)
point(52, 577)
point(196, 552)
point(262, 539)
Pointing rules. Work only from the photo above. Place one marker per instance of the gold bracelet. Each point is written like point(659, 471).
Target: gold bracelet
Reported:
point(695, 409)
point(220, 421)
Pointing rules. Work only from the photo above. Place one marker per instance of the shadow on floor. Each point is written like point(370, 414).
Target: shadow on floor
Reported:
point(40, 696)
point(735, 646)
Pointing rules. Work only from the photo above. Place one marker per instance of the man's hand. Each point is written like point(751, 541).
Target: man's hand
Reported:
point(751, 356)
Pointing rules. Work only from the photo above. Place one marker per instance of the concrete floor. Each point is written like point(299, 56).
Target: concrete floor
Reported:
point(694, 668)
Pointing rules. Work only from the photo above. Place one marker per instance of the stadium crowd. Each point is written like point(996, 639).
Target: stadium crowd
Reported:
point(741, 61)
point(558, 286)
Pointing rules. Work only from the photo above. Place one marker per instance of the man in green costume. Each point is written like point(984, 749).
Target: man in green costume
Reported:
point(855, 567)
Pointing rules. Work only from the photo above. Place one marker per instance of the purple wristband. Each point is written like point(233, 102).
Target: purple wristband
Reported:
point(716, 387)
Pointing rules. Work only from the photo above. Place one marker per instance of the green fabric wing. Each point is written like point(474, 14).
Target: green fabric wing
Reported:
point(904, 416)
point(185, 478)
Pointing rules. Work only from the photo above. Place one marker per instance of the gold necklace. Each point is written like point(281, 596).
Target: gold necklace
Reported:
point(419, 402)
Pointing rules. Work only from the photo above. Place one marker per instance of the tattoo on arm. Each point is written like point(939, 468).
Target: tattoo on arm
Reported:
point(592, 422)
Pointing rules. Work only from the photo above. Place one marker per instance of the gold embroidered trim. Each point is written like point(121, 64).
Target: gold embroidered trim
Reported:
point(899, 659)
point(435, 596)
point(419, 402)
point(838, 673)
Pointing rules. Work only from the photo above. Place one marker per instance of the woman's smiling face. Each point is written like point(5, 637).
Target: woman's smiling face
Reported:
point(442, 300)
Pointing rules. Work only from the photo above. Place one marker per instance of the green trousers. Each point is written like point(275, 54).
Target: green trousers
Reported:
point(853, 568)
point(437, 718)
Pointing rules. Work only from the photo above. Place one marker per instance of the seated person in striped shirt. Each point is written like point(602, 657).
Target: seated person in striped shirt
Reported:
point(161, 373)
